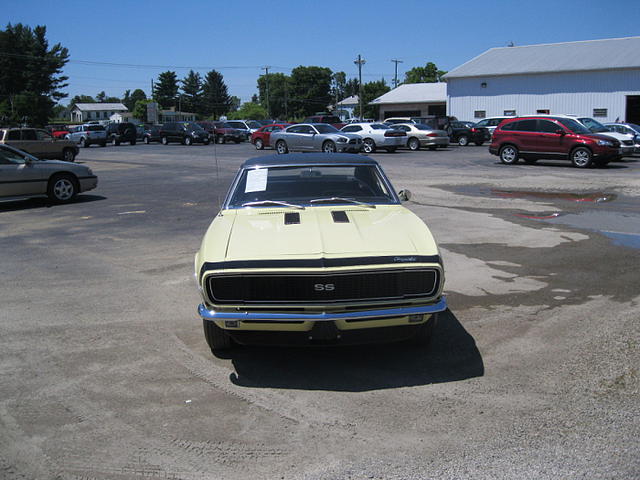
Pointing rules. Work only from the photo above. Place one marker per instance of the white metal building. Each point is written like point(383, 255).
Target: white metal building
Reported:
point(595, 78)
point(413, 100)
point(83, 112)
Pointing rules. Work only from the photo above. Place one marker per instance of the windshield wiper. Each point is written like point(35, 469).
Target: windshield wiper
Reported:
point(342, 199)
point(272, 202)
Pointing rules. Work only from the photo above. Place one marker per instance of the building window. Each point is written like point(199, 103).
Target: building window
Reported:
point(599, 112)
point(479, 114)
point(509, 113)
point(544, 111)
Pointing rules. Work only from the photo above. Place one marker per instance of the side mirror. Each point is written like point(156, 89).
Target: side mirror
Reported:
point(404, 195)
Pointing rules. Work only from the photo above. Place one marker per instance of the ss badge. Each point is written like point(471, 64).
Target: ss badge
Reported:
point(324, 287)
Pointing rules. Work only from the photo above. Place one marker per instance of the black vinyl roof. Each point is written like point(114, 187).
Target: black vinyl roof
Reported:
point(308, 159)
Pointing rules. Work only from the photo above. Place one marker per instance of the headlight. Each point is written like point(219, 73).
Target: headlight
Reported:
point(605, 143)
point(342, 140)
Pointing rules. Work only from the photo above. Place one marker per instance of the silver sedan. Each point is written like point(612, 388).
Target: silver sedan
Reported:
point(316, 137)
point(23, 175)
point(419, 135)
point(377, 135)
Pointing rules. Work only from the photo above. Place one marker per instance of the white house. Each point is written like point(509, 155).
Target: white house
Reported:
point(413, 100)
point(344, 108)
point(84, 112)
point(595, 78)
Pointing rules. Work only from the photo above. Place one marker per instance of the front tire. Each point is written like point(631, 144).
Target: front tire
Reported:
point(581, 157)
point(68, 155)
point(188, 141)
point(216, 337)
point(509, 155)
point(368, 146)
point(164, 141)
point(413, 144)
point(146, 140)
point(84, 143)
point(62, 188)
point(281, 147)
point(329, 147)
point(259, 144)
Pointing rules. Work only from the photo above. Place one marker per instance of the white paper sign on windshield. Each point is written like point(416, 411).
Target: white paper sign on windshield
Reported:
point(256, 180)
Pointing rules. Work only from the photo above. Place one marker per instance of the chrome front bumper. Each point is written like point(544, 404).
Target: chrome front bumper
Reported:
point(440, 306)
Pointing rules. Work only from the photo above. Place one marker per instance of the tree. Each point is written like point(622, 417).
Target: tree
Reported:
point(101, 96)
point(191, 93)
point(140, 109)
point(351, 88)
point(165, 89)
point(235, 104)
point(30, 74)
point(215, 96)
point(427, 74)
point(278, 93)
point(310, 90)
point(130, 99)
point(371, 91)
point(81, 99)
point(249, 110)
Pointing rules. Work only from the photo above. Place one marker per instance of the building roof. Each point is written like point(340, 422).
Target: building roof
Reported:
point(94, 107)
point(606, 54)
point(352, 100)
point(414, 93)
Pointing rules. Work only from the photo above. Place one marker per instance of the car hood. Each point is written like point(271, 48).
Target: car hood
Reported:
point(261, 233)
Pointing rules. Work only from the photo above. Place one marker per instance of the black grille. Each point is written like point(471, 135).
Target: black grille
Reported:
point(336, 287)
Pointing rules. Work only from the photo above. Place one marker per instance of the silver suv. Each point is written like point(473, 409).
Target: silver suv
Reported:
point(88, 134)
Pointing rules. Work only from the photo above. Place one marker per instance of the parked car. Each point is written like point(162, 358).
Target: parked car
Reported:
point(152, 134)
point(224, 134)
point(535, 137)
point(39, 143)
point(246, 126)
point(330, 119)
point(24, 175)
point(317, 248)
point(486, 126)
point(88, 134)
point(631, 130)
point(419, 135)
point(319, 137)
point(464, 133)
point(186, 133)
point(261, 137)
point(377, 135)
point(124, 132)
point(57, 130)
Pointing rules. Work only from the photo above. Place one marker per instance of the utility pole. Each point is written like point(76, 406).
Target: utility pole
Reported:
point(360, 61)
point(395, 79)
point(266, 69)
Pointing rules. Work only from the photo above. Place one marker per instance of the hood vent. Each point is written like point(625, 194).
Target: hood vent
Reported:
point(339, 216)
point(291, 218)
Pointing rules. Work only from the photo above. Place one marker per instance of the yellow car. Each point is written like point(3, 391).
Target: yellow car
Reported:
point(317, 248)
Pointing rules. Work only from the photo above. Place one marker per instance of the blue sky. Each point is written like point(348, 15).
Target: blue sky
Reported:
point(238, 38)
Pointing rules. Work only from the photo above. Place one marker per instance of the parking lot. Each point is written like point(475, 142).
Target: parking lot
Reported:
point(532, 373)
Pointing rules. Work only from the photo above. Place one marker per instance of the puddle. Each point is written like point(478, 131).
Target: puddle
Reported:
point(624, 239)
point(594, 197)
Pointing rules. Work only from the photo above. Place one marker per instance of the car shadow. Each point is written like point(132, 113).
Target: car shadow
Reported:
point(564, 164)
point(451, 356)
point(30, 203)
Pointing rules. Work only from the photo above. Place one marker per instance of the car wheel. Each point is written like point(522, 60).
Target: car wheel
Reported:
point(259, 144)
point(329, 147)
point(581, 157)
point(368, 146)
point(479, 143)
point(463, 140)
point(146, 140)
point(132, 142)
point(114, 142)
point(187, 141)
point(509, 155)
point(413, 144)
point(84, 143)
point(391, 149)
point(68, 155)
point(62, 188)
point(281, 147)
point(165, 141)
point(216, 337)
point(206, 142)
point(425, 333)
point(220, 139)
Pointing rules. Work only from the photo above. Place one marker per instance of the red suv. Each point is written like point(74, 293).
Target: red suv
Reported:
point(532, 138)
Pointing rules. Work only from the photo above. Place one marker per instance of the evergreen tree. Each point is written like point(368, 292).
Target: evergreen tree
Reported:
point(165, 90)
point(192, 93)
point(215, 95)
point(30, 80)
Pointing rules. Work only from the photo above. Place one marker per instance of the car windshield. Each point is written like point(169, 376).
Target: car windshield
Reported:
point(634, 126)
point(574, 125)
point(310, 184)
point(192, 126)
point(593, 125)
point(322, 128)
